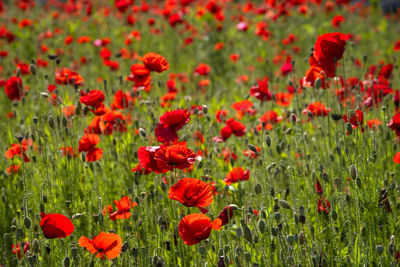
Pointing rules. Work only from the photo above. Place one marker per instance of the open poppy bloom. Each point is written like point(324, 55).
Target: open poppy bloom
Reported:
point(202, 69)
point(105, 244)
point(223, 218)
point(13, 88)
point(396, 158)
point(261, 91)
point(123, 209)
point(394, 124)
point(356, 120)
point(140, 75)
point(170, 123)
point(194, 227)
point(237, 127)
point(94, 98)
point(324, 205)
point(177, 156)
point(237, 174)
point(316, 109)
point(19, 150)
point(147, 160)
point(55, 225)
point(87, 144)
point(191, 192)
point(155, 62)
point(122, 100)
point(269, 118)
point(66, 76)
point(16, 249)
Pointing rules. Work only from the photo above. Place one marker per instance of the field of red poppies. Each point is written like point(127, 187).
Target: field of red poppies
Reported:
point(199, 133)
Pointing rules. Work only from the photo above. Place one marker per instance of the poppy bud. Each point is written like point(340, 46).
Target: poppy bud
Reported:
point(83, 157)
point(66, 262)
point(274, 231)
point(268, 140)
point(27, 222)
point(33, 69)
point(288, 131)
point(142, 132)
point(278, 149)
point(125, 246)
point(349, 128)
point(252, 148)
point(205, 109)
point(137, 200)
point(353, 172)
point(32, 260)
point(41, 207)
point(277, 216)
point(202, 250)
point(14, 222)
point(317, 83)
point(334, 215)
point(239, 232)
point(358, 182)
point(258, 189)
point(35, 120)
point(134, 216)
point(64, 121)
point(261, 226)
point(36, 246)
point(302, 237)
point(379, 249)
point(163, 186)
point(247, 235)
point(50, 121)
point(285, 204)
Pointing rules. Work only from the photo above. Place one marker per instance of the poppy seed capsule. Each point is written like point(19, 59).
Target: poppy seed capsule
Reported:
point(142, 132)
point(284, 204)
point(261, 226)
point(379, 249)
point(33, 69)
point(268, 140)
point(353, 172)
point(247, 235)
point(66, 262)
point(27, 222)
point(252, 148)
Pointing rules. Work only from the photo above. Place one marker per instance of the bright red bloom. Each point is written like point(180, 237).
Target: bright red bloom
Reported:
point(318, 187)
point(221, 115)
point(140, 75)
point(175, 156)
point(19, 150)
point(396, 158)
point(17, 249)
point(122, 100)
point(202, 69)
point(394, 124)
point(94, 98)
point(194, 227)
point(66, 76)
point(87, 144)
point(223, 218)
point(13, 169)
point(23, 68)
point(191, 192)
point(312, 74)
point(175, 119)
point(123, 209)
point(237, 174)
point(261, 91)
point(237, 127)
point(155, 62)
point(113, 120)
point(330, 46)
point(105, 244)
point(316, 109)
point(147, 160)
point(242, 107)
point(356, 120)
point(13, 88)
point(67, 150)
point(324, 205)
point(337, 20)
point(56, 225)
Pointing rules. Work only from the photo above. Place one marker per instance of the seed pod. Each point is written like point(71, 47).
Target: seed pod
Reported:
point(202, 250)
point(379, 249)
point(353, 172)
point(258, 189)
point(334, 215)
point(252, 148)
point(268, 140)
point(349, 128)
point(261, 226)
point(277, 216)
point(66, 262)
point(358, 182)
point(35, 120)
point(284, 204)
point(50, 121)
point(33, 69)
point(27, 222)
point(302, 237)
point(142, 132)
point(247, 234)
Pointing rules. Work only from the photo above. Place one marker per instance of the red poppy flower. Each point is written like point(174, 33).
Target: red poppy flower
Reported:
point(105, 244)
point(16, 249)
point(13, 169)
point(394, 124)
point(155, 62)
point(122, 100)
point(140, 75)
point(123, 209)
point(23, 68)
point(237, 174)
point(312, 74)
point(56, 225)
point(374, 123)
point(242, 107)
point(396, 158)
point(318, 187)
point(175, 119)
point(237, 127)
point(356, 120)
point(330, 46)
point(147, 160)
point(194, 227)
point(192, 192)
point(261, 91)
point(113, 120)
point(13, 88)
point(316, 109)
point(69, 111)
point(324, 205)
point(175, 156)
point(67, 150)
point(223, 218)
point(87, 144)
point(94, 98)
point(337, 20)
point(19, 150)
point(66, 76)
point(270, 118)
point(202, 69)
point(220, 115)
